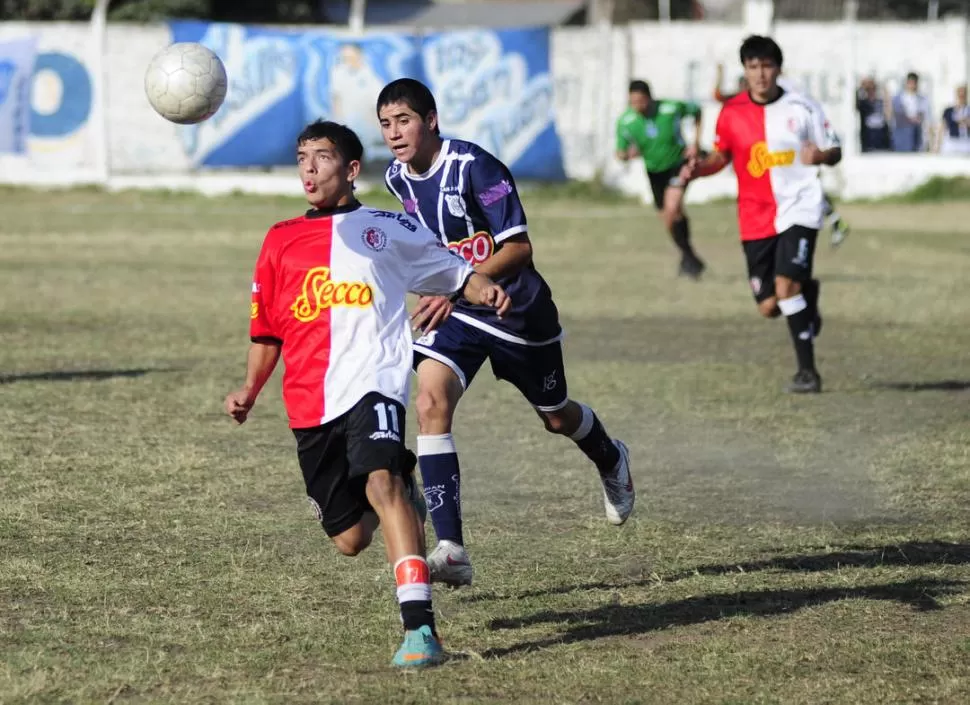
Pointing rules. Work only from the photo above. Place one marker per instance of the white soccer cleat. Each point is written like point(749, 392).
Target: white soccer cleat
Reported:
point(449, 564)
point(618, 492)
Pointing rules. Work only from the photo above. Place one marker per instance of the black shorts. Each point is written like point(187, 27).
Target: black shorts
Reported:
point(337, 457)
point(660, 181)
point(789, 254)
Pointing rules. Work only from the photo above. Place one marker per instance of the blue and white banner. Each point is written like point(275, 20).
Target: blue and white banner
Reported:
point(16, 76)
point(493, 88)
point(496, 89)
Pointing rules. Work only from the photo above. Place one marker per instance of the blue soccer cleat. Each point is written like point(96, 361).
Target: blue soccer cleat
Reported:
point(420, 649)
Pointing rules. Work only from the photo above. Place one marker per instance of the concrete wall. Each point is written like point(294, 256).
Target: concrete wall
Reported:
point(591, 68)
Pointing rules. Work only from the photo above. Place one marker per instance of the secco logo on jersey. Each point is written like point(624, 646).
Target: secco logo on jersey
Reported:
point(475, 249)
point(253, 310)
point(320, 293)
point(762, 160)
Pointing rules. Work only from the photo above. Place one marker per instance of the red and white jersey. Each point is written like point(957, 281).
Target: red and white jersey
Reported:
point(331, 288)
point(776, 190)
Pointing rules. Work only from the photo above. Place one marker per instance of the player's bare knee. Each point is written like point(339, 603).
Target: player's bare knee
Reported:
point(354, 540)
point(785, 288)
point(553, 421)
point(769, 308)
point(434, 411)
point(350, 547)
point(563, 421)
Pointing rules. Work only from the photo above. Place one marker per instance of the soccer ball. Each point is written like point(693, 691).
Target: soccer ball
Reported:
point(186, 83)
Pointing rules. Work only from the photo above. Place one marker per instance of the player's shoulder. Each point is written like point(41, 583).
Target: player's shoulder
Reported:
point(667, 106)
point(485, 164)
point(628, 116)
point(286, 227)
point(800, 101)
point(282, 231)
point(736, 107)
point(470, 151)
point(738, 101)
point(395, 222)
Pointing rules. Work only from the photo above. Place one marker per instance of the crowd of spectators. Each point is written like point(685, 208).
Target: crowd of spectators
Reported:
point(904, 123)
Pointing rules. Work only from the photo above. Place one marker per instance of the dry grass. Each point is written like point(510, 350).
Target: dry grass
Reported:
point(784, 550)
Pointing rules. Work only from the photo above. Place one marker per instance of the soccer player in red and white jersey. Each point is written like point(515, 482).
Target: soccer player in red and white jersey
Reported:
point(777, 140)
point(329, 294)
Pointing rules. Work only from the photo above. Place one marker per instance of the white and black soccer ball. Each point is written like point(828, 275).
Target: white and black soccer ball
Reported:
point(186, 83)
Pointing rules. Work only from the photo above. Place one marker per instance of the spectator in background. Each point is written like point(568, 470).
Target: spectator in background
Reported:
point(873, 117)
point(911, 110)
point(954, 133)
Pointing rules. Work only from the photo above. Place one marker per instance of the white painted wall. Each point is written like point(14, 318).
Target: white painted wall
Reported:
point(591, 66)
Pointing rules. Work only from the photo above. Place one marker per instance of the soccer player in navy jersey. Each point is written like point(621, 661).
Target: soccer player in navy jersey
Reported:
point(469, 198)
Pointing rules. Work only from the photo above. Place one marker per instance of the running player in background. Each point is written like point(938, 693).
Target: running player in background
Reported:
point(840, 229)
point(469, 198)
point(777, 140)
point(651, 129)
point(329, 293)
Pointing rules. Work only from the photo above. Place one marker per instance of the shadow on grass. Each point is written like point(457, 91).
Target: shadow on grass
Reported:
point(946, 385)
point(629, 620)
point(77, 375)
point(917, 553)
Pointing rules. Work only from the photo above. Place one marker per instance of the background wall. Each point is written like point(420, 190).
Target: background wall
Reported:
point(549, 110)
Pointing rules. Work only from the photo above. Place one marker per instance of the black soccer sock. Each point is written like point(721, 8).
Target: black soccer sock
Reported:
point(800, 319)
point(680, 232)
point(811, 290)
point(416, 614)
point(595, 442)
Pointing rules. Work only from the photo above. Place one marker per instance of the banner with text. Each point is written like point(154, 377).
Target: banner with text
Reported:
point(492, 87)
point(16, 76)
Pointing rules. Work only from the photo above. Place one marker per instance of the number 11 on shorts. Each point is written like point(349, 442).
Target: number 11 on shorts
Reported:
point(387, 412)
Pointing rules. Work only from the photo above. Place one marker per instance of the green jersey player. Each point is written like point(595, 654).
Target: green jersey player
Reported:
point(651, 129)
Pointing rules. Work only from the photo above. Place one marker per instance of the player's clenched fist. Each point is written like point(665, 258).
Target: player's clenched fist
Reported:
point(238, 405)
point(483, 291)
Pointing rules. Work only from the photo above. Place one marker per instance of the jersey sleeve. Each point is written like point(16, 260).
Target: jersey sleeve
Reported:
point(722, 133)
point(690, 109)
point(820, 130)
point(261, 326)
point(430, 268)
point(623, 136)
point(493, 190)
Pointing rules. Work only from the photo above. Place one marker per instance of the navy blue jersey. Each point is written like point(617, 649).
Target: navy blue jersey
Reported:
point(469, 198)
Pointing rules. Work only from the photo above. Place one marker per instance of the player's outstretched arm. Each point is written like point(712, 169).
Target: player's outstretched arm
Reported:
point(709, 165)
point(260, 364)
point(481, 290)
point(813, 156)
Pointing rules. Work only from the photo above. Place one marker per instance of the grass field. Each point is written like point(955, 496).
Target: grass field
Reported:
point(783, 550)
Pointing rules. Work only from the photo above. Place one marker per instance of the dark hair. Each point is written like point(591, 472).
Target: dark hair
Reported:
point(640, 87)
point(412, 93)
point(345, 140)
point(758, 47)
point(912, 76)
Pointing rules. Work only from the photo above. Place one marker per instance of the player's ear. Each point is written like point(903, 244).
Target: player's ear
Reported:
point(353, 170)
point(432, 121)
